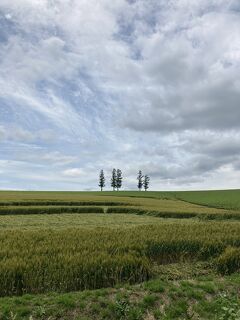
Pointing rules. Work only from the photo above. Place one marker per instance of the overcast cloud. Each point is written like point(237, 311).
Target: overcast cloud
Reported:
point(151, 85)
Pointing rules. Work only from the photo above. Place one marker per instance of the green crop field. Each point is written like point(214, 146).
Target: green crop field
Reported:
point(226, 199)
point(119, 255)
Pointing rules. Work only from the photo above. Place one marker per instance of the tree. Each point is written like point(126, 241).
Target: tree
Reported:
point(146, 181)
point(114, 179)
point(140, 180)
point(101, 180)
point(119, 179)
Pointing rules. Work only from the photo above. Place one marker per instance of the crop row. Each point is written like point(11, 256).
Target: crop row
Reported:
point(62, 203)
point(75, 259)
point(177, 215)
point(55, 209)
point(49, 210)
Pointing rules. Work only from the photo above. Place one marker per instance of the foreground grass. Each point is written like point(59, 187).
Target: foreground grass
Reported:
point(42, 260)
point(187, 294)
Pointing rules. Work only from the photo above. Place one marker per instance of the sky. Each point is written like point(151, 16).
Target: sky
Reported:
point(87, 85)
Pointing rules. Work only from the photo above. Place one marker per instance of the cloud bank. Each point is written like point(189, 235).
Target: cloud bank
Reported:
point(151, 85)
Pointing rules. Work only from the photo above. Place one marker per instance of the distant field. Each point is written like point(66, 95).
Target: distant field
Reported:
point(228, 199)
point(70, 241)
point(155, 203)
point(224, 199)
point(71, 195)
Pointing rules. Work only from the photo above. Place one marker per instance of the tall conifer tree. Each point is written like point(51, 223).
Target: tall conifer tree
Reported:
point(119, 179)
point(101, 180)
point(146, 181)
point(140, 180)
point(114, 179)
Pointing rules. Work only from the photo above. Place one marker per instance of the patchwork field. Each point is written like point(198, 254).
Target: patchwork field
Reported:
point(160, 256)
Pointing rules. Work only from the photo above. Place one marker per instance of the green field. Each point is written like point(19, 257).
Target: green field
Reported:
point(119, 255)
point(226, 199)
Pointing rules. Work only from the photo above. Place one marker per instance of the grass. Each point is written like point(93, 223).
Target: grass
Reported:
point(83, 220)
point(41, 260)
point(48, 202)
point(16, 210)
point(182, 299)
point(54, 244)
point(225, 199)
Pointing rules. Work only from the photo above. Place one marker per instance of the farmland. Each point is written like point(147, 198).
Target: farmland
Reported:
point(227, 199)
point(125, 252)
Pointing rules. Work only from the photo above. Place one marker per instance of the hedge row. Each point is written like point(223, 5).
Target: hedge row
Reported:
point(49, 210)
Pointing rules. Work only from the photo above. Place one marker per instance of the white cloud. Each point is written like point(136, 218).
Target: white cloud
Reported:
point(74, 172)
point(129, 84)
point(16, 133)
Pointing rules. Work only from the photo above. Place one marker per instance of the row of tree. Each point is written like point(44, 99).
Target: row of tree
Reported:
point(143, 181)
point(116, 180)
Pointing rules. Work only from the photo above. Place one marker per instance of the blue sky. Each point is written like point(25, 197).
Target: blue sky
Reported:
point(90, 85)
